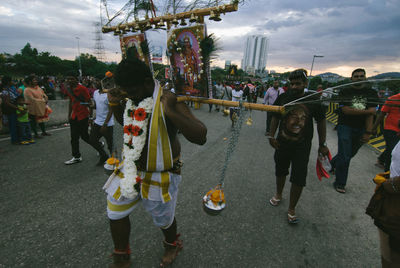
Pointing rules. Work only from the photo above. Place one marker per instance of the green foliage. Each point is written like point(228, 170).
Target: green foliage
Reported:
point(218, 74)
point(44, 64)
point(314, 82)
point(209, 47)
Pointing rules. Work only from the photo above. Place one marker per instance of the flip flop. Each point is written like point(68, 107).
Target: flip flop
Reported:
point(340, 189)
point(292, 219)
point(274, 201)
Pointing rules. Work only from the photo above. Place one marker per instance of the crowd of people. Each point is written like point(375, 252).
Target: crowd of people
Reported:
point(137, 103)
point(24, 107)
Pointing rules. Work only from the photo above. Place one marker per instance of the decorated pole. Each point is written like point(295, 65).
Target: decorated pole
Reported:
point(213, 12)
point(254, 106)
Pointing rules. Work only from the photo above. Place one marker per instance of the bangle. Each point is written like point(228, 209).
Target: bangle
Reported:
point(323, 144)
point(394, 186)
point(113, 104)
point(271, 137)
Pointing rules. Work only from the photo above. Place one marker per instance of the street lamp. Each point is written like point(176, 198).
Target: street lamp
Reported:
point(79, 59)
point(312, 65)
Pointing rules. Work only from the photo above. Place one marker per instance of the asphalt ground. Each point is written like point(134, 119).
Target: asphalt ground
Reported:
point(53, 215)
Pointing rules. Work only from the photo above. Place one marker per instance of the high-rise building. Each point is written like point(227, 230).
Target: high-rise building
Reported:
point(228, 64)
point(255, 54)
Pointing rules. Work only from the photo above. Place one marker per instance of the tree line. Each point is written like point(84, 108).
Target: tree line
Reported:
point(30, 60)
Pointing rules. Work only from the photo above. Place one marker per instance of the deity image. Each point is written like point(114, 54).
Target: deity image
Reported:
point(190, 60)
point(186, 61)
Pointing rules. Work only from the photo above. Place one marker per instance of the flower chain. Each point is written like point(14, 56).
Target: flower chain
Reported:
point(135, 132)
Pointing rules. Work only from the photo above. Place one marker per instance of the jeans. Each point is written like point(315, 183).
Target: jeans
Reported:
point(95, 136)
point(24, 131)
point(79, 129)
point(349, 142)
point(391, 139)
point(12, 125)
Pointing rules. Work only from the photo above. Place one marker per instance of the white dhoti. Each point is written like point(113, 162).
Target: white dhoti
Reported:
point(163, 213)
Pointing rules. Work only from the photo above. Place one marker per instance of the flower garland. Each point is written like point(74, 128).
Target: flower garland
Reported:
point(135, 132)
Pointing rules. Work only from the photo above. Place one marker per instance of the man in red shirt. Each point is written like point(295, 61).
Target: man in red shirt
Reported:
point(391, 132)
point(78, 116)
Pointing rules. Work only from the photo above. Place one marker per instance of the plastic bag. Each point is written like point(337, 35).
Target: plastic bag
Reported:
point(324, 166)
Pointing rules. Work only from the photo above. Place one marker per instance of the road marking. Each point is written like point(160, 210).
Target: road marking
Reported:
point(48, 130)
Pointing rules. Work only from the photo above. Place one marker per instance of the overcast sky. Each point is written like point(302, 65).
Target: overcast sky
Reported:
point(348, 33)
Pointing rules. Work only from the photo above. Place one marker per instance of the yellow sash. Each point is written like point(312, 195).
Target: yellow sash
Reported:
point(159, 155)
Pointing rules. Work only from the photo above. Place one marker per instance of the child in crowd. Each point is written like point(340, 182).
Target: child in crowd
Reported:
point(23, 125)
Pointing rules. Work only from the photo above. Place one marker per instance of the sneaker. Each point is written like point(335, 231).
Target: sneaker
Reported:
point(37, 136)
point(24, 143)
point(32, 141)
point(46, 134)
point(74, 160)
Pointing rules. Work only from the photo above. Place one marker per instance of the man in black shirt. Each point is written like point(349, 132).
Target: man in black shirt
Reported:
point(293, 142)
point(355, 122)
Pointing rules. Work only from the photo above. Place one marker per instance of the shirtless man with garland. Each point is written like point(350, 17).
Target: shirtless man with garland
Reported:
point(158, 176)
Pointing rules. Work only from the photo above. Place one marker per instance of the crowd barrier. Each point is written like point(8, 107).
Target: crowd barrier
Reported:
point(376, 141)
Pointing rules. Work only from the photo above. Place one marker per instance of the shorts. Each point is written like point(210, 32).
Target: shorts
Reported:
point(297, 157)
point(162, 213)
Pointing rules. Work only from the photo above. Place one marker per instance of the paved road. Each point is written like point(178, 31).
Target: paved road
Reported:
point(53, 215)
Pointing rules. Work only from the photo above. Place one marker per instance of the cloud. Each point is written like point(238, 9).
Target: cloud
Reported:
point(346, 32)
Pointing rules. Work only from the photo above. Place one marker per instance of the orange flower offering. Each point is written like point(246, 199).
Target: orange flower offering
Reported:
point(216, 196)
point(112, 161)
point(109, 74)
